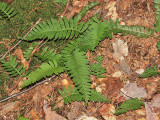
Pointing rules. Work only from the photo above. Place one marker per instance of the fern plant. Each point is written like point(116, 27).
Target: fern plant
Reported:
point(11, 67)
point(131, 104)
point(6, 12)
point(73, 95)
point(46, 69)
point(150, 72)
point(97, 69)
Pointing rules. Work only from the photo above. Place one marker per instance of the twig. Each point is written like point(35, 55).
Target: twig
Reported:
point(64, 12)
point(39, 20)
point(19, 93)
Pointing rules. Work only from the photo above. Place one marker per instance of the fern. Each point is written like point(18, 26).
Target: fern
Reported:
point(11, 67)
point(131, 104)
point(158, 46)
point(71, 95)
point(97, 69)
point(97, 97)
point(6, 11)
point(46, 69)
point(150, 72)
point(77, 65)
point(48, 55)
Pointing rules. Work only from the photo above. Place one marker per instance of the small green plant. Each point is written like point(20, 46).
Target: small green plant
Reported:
point(6, 12)
point(150, 72)
point(131, 104)
point(11, 67)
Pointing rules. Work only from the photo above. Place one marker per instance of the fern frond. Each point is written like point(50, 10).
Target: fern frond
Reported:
point(11, 67)
point(139, 31)
point(77, 65)
point(48, 55)
point(158, 46)
point(53, 29)
point(6, 11)
point(71, 95)
point(131, 104)
point(46, 69)
point(150, 72)
point(97, 69)
point(97, 97)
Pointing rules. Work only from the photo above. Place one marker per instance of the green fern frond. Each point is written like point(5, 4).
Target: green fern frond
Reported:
point(71, 95)
point(139, 31)
point(77, 65)
point(48, 55)
point(28, 51)
point(46, 69)
point(97, 69)
point(131, 104)
point(97, 97)
point(150, 72)
point(53, 29)
point(6, 11)
point(158, 46)
point(11, 67)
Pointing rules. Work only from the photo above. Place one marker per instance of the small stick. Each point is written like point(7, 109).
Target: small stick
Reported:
point(64, 12)
point(39, 20)
point(19, 93)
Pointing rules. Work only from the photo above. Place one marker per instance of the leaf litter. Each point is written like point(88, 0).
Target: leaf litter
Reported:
point(125, 54)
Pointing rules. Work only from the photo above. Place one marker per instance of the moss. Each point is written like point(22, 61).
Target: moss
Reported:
point(28, 12)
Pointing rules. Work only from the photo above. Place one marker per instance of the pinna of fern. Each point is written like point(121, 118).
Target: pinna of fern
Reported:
point(6, 12)
point(11, 67)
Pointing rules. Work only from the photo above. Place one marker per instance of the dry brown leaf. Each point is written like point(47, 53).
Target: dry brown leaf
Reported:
point(150, 114)
point(9, 107)
point(19, 54)
point(52, 115)
point(107, 111)
point(120, 49)
point(132, 90)
point(34, 115)
point(112, 10)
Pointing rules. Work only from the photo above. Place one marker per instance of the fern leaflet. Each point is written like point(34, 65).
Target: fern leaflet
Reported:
point(6, 11)
point(131, 104)
point(77, 65)
point(97, 69)
point(48, 55)
point(46, 69)
point(11, 67)
point(22, 118)
point(53, 29)
point(150, 72)
point(157, 15)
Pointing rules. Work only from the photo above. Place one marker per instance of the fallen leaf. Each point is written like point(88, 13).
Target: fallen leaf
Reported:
point(9, 107)
point(112, 10)
point(156, 101)
point(84, 117)
point(34, 115)
point(51, 115)
point(132, 90)
point(150, 114)
point(120, 49)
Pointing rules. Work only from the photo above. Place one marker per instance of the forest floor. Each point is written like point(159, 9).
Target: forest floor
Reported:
point(122, 77)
